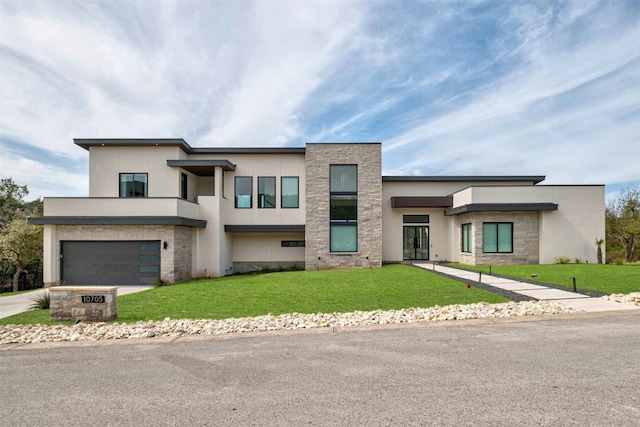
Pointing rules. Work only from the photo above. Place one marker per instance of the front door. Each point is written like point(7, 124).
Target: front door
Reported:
point(416, 243)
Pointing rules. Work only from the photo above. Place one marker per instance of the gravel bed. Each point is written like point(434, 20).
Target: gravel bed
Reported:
point(633, 298)
point(22, 334)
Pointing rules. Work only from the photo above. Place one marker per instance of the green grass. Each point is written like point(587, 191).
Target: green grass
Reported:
point(8, 294)
point(391, 287)
point(605, 278)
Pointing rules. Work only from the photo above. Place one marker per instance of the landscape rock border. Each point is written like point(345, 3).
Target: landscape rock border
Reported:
point(25, 334)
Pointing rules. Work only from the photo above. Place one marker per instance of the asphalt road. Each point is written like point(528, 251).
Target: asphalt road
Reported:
point(582, 370)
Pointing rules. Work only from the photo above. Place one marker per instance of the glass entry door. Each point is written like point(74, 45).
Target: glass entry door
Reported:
point(416, 243)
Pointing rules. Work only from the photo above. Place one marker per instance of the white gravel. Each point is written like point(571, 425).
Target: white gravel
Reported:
point(633, 298)
point(23, 334)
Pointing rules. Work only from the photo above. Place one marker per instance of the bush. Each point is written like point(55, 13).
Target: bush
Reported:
point(612, 255)
point(41, 302)
point(562, 260)
point(577, 261)
point(619, 261)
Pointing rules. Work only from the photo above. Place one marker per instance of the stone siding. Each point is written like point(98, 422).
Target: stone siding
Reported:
point(175, 261)
point(67, 304)
point(526, 238)
point(318, 159)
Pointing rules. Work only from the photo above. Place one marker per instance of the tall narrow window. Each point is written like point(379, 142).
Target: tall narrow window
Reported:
point(244, 192)
point(343, 235)
point(183, 186)
point(497, 237)
point(266, 192)
point(289, 190)
point(133, 185)
point(466, 237)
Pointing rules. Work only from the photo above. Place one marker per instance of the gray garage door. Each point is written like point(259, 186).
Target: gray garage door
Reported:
point(109, 263)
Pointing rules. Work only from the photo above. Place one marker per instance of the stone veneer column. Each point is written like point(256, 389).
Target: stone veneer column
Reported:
point(318, 158)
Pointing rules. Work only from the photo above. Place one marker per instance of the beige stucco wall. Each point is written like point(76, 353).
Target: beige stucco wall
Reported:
point(106, 163)
point(266, 247)
point(115, 206)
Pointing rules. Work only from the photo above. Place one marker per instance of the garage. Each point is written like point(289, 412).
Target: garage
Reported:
point(109, 263)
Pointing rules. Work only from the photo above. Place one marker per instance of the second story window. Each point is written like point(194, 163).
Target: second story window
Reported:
point(244, 192)
point(266, 192)
point(289, 192)
point(133, 185)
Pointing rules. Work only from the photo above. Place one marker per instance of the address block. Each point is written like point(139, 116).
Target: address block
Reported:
point(91, 303)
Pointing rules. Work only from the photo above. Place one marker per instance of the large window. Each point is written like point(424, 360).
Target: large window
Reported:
point(133, 185)
point(266, 192)
point(497, 237)
point(289, 191)
point(344, 208)
point(466, 237)
point(244, 192)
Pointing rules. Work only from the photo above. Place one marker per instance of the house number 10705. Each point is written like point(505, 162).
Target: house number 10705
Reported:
point(92, 298)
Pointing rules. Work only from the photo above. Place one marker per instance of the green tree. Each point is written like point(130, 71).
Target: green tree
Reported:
point(21, 245)
point(623, 221)
point(11, 199)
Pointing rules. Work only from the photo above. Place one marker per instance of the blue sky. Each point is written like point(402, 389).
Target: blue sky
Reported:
point(470, 87)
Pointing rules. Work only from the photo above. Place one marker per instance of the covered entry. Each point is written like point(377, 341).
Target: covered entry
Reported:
point(415, 242)
point(109, 262)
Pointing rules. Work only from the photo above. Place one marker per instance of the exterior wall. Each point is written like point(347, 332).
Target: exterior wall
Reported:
point(175, 261)
point(106, 163)
point(318, 159)
point(252, 252)
point(526, 243)
point(116, 206)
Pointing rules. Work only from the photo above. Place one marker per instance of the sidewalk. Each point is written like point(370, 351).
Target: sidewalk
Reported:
point(15, 304)
point(570, 299)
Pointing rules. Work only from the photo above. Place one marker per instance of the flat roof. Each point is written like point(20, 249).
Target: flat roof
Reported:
point(118, 220)
point(501, 207)
point(463, 178)
point(179, 142)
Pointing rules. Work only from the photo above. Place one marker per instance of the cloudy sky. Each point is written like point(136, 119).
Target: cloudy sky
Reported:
point(461, 87)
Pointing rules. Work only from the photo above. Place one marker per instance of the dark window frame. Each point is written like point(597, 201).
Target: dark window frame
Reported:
point(235, 192)
point(282, 195)
point(133, 180)
point(497, 224)
point(184, 186)
point(261, 201)
point(415, 219)
point(292, 243)
point(338, 220)
point(465, 244)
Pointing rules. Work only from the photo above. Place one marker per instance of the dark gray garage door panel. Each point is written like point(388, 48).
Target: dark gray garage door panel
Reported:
point(109, 263)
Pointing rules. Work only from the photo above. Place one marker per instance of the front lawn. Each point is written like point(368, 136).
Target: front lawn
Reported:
point(327, 291)
point(605, 278)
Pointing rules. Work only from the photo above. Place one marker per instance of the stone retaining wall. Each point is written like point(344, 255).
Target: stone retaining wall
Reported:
point(92, 303)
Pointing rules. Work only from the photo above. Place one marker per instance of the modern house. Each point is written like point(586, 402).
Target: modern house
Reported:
point(161, 208)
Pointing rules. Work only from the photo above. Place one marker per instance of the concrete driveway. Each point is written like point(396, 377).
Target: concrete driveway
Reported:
point(15, 304)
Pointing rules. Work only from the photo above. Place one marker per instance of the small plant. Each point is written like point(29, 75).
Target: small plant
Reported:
point(561, 260)
point(159, 282)
point(599, 243)
point(578, 261)
point(618, 261)
point(41, 302)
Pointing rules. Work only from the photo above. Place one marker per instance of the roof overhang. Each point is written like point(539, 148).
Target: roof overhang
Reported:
point(501, 207)
point(264, 228)
point(118, 220)
point(86, 143)
point(202, 167)
point(535, 179)
point(422, 202)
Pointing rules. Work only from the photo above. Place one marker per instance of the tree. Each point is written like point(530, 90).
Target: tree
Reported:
point(11, 195)
point(623, 221)
point(21, 245)
point(599, 243)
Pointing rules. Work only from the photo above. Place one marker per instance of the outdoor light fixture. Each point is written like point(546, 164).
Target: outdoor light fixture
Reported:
point(165, 245)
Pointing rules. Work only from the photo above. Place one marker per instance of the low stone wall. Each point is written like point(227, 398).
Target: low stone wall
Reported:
point(96, 303)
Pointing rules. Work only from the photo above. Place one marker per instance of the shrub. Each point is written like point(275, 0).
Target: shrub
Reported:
point(577, 261)
point(618, 261)
point(41, 302)
point(562, 260)
point(159, 281)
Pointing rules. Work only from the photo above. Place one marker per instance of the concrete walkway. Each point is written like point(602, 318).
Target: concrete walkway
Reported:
point(540, 292)
point(15, 304)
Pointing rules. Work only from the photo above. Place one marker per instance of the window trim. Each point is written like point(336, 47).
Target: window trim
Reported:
point(235, 192)
point(292, 243)
point(468, 234)
point(260, 204)
point(297, 206)
point(348, 222)
point(497, 251)
point(133, 176)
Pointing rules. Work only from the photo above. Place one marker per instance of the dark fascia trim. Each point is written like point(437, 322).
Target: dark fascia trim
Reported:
point(501, 207)
point(422, 202)
point(344, 143)
point(118, 220)
point(86, 143)
point(202, 167)
point(464, 178)
point(264, 228)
